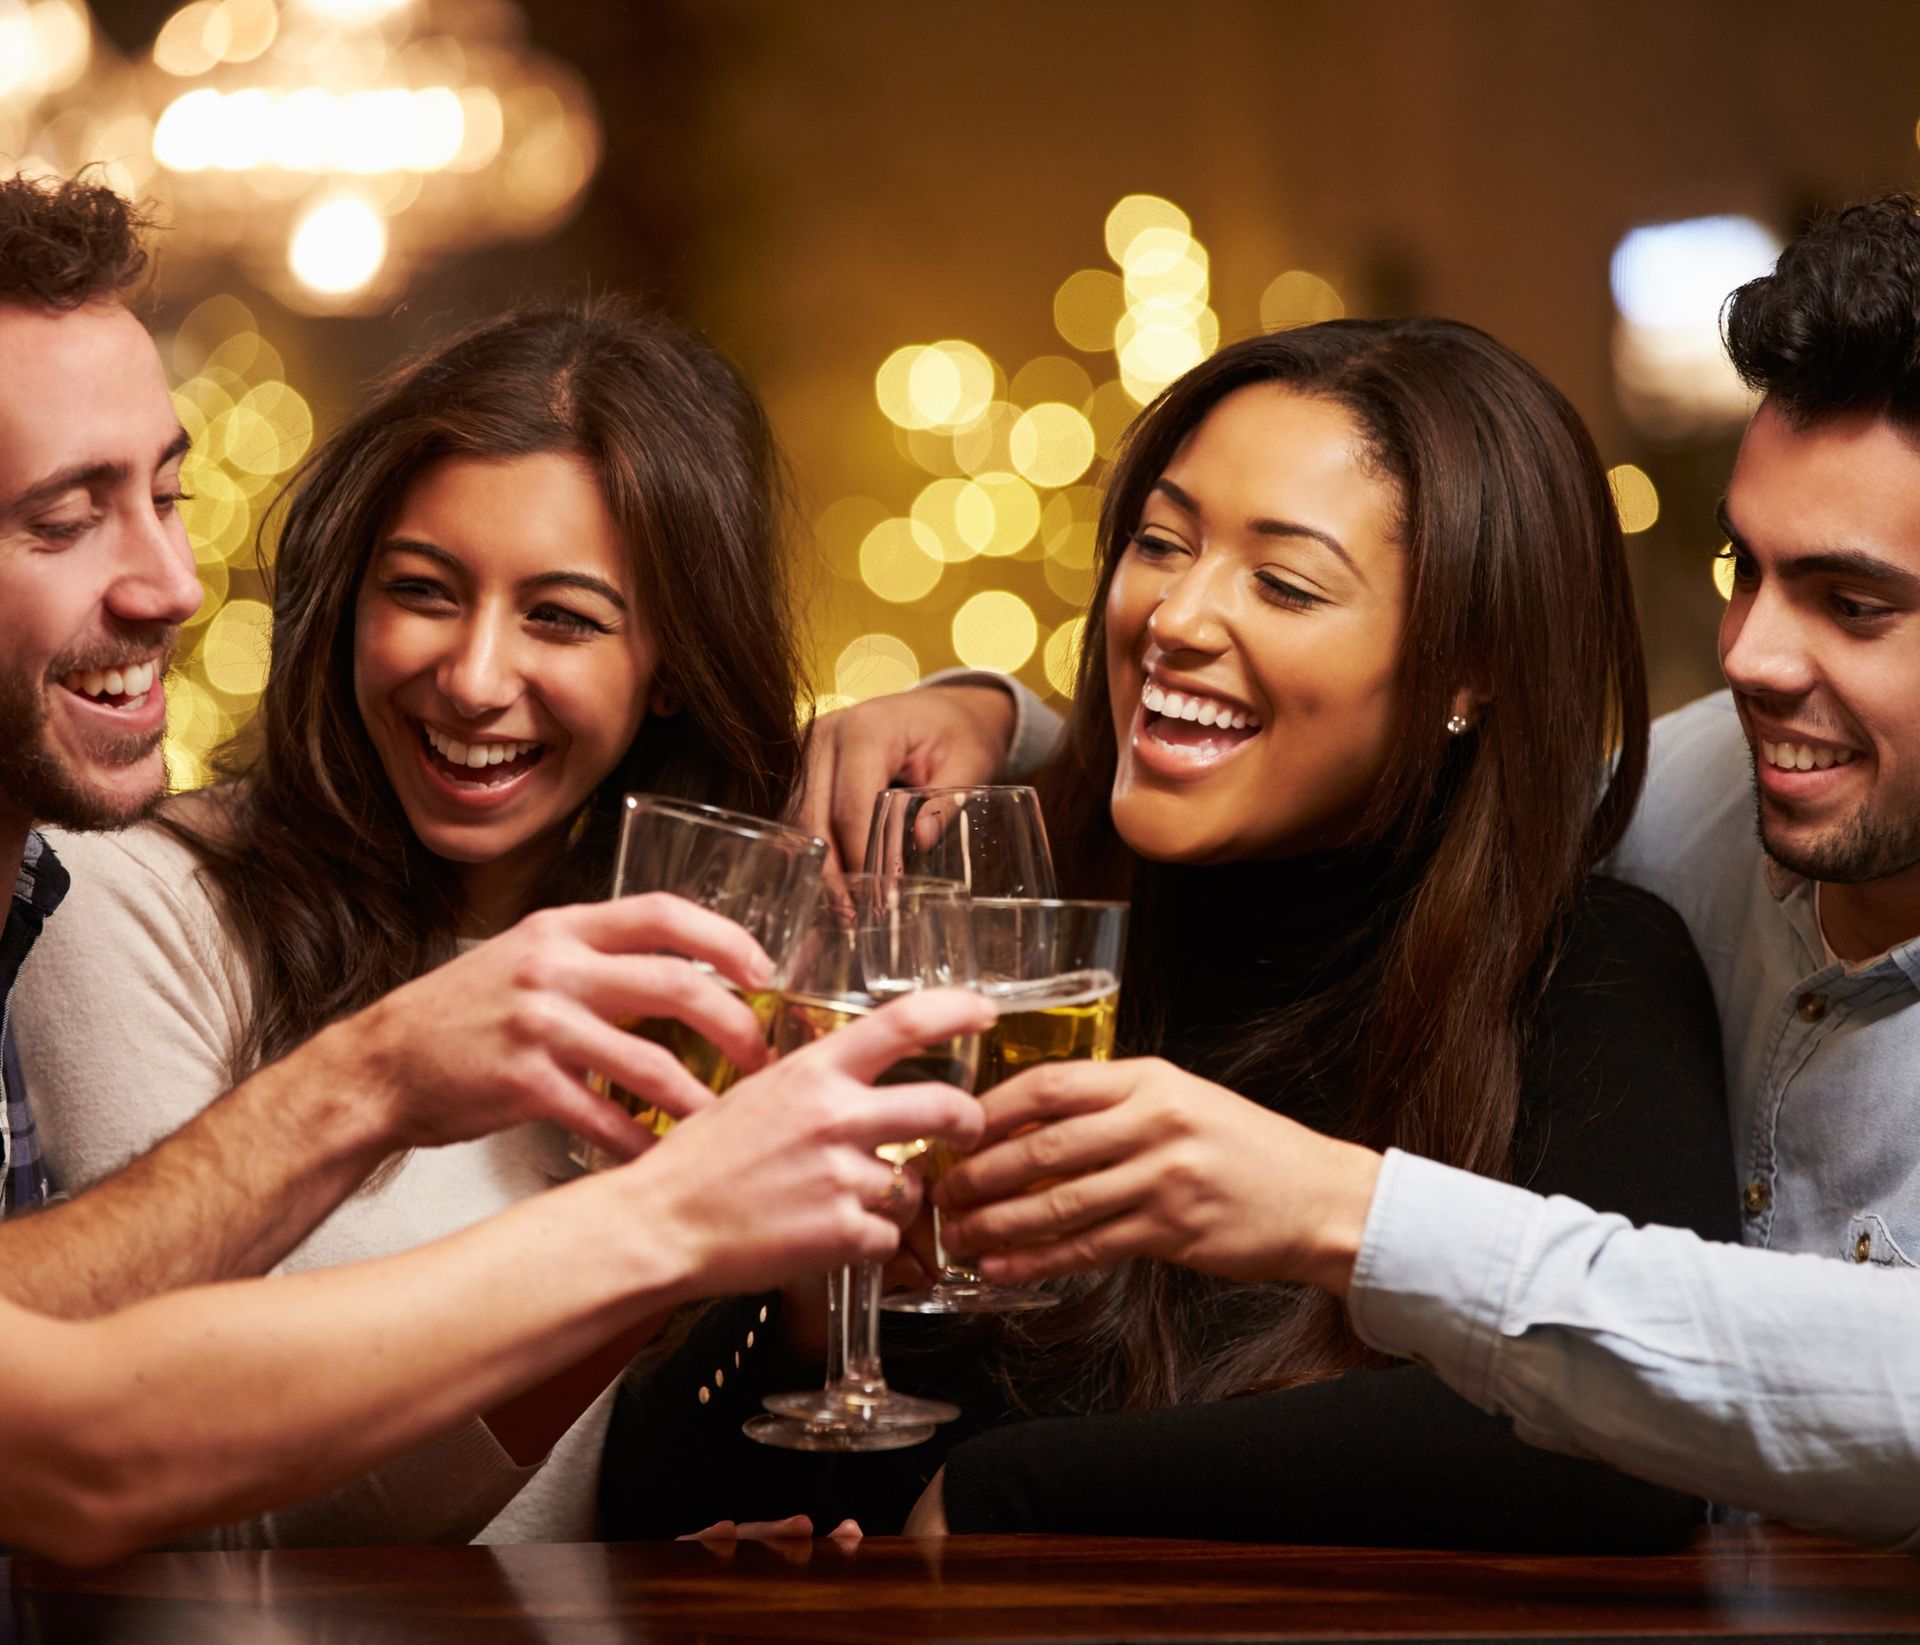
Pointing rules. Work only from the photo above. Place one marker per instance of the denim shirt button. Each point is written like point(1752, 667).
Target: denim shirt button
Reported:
point(1812, 1007)
point(1756, 1198)
point(1863, 1248)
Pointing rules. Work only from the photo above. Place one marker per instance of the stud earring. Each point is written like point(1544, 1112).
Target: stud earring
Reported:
point(1456, 724)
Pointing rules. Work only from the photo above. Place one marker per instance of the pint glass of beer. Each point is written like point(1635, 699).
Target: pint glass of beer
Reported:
point(1052, 968)
point(759, 874)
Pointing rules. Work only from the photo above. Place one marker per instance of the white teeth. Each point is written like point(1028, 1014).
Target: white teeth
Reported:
point(93, 683)
point(133, 683)
point(1804, 756)
point(475, 756)
point(116, 682)
point(1201, 710)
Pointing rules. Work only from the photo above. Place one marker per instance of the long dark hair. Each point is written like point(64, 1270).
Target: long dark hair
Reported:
point(1518, 589)
point(333, 899)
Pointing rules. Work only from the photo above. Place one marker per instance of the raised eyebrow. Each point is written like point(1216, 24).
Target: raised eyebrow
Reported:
point(178, 446)
point(1264, 527)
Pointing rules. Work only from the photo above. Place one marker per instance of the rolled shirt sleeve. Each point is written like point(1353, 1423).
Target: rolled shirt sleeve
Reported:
point(1781, 1382)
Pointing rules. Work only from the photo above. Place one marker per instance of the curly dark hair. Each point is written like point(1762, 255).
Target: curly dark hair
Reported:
point(67, 241)
point(1836, 326)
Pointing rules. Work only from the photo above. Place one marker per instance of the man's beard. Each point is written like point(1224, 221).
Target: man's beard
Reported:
point(1865, 847)
point(36, 784)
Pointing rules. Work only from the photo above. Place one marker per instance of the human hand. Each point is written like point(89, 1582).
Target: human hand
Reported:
point(1141, 1159)
point(929, 1516)
point(794, 1526)
point(781, 1179)
point(509, 1031)
point(943, 735)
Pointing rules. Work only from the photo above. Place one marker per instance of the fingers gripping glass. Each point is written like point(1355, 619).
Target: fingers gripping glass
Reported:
point(989, 839)
point(760, 875)
point(1052, 969)
point(870, 941)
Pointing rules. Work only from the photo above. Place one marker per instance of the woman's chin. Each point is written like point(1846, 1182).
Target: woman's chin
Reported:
point(1160, 831)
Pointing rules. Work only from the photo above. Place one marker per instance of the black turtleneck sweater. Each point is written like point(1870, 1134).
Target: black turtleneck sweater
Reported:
point(1621, 1108)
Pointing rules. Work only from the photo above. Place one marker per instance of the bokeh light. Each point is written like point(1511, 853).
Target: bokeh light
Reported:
point(873, 665)
point(1087, 307)
point(901, 560)
point(1134, 215)
point(238, 646)
point(1723, 571)
point(1051, 444)
point(1016, 512)
point(1061, 659)
point(337, 247)
point(1298, 298)
point(1634, 498)
point(995, 629)
point(945, 385)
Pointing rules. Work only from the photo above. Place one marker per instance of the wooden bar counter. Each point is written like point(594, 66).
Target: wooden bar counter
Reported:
point(1735, 1583)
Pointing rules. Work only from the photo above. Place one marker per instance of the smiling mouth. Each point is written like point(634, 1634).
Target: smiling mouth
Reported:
point(484, 763)
point(1189, 720)
point(1791, 756)
point(125, 687)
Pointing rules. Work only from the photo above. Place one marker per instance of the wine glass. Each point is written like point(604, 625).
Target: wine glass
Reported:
point(871, 940)
point(991, 839)
point(761, 875)
point(1052, 969)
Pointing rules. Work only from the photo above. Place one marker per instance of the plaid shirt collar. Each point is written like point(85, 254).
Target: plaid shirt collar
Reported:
point(42, 882)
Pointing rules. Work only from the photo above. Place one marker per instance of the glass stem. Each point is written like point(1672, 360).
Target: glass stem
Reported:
point(951, 1272)
point(858, 1333)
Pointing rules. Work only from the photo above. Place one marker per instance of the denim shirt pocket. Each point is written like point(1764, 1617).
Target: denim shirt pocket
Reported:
point(1870, 1240)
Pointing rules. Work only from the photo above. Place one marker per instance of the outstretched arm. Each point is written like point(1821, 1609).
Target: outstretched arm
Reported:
point(218, 1401)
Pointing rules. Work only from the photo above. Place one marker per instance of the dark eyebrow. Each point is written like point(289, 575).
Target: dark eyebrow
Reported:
point(546, 579)
point(88, 476)
point(1263, 527)
point(1831, 562)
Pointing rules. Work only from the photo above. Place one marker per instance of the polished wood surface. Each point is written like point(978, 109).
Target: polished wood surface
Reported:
point(1734, 1583)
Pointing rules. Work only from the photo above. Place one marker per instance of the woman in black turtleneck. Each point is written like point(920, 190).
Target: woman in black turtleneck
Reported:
point(1361, 640)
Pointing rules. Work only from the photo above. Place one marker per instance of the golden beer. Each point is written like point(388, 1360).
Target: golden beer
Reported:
point(1059, 1019)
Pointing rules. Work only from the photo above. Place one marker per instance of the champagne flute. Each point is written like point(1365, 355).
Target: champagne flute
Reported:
point(761, 875)
point(871, 940)
point(1052, 968)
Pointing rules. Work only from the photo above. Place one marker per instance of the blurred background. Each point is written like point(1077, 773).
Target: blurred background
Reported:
point(957, 246)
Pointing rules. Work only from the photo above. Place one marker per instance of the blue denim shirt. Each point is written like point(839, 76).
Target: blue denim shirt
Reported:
point(1783, 1378)
point(42, 882)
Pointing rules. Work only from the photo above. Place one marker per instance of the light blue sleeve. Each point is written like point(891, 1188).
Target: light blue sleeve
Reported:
point(1775, 1381)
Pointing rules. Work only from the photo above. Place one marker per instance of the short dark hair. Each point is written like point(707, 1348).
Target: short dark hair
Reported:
point(67, 241)
point(1835, 327)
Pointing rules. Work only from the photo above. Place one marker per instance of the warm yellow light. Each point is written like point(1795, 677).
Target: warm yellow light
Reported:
point(483, 129)
point(995, 630)
point(62, 43)
point(193, 39)
point(1153, 355)
point(1723, 571)
point(273, 429)
point(1061, 659)
point(1087, 307)
point(1051, 444)
point(873, 666)
point(1166, 269)
point(252, 26)
point(1016, 512)
point(983, 445)
point(1298, 298)
point(338, 247)
point(900, 560)
point(957, 515)
point(952, 384)
point(237, 647)
point(1634, 497)
point(841, 529)
point(1050, 377)
point(208, 328)
point(1137, 213)
point(1110, 409)
point(188, 133)
point(891, 386)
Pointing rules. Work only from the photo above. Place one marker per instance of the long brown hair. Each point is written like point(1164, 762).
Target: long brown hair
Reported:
point(1519, 591)
point(333, 899)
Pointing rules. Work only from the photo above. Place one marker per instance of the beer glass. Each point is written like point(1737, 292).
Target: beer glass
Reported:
point(871, 940)
point(1052, 969)
point(990, 839)
point(761, 875)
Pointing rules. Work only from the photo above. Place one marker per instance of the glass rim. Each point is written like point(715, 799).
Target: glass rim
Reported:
point(1101, 903)
point(717, 816)
point(957, 788)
